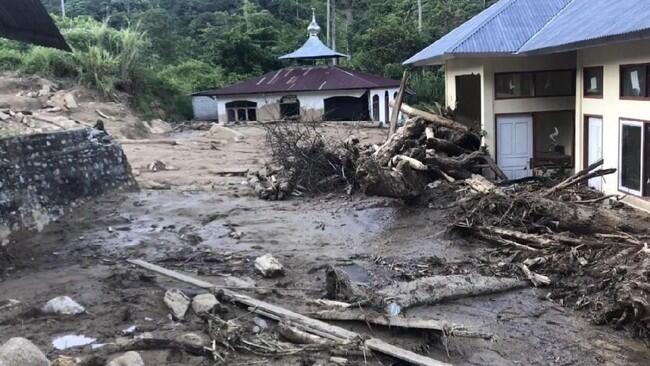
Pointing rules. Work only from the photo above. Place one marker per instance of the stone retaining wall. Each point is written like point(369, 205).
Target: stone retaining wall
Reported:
point(42, 174)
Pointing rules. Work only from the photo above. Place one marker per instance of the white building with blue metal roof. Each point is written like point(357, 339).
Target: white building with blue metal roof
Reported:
point(556, 84)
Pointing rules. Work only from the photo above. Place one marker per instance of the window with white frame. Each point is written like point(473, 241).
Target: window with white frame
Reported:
point(241, 111)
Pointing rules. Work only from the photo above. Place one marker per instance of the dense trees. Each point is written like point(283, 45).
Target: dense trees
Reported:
point(188, 44)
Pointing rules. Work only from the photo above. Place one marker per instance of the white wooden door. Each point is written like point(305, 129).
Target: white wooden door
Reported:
point(515, 145)
point(595, 147)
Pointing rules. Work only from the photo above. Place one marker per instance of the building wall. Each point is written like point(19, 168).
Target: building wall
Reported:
point(312, 104)
point(490, 106)
point(392, 93)
point(205, 108)
point(610, 107)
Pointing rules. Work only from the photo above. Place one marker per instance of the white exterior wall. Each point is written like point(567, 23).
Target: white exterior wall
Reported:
point(610, 107)
point(490, 106)
point(312, 104)
point(382, 103)
point(205, 108)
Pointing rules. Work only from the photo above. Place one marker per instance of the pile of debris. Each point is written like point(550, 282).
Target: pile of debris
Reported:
point(552, 233)
point(593, 256)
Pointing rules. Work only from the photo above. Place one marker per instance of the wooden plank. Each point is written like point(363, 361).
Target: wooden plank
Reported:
point(402, 354)
point(398, 104)
point(372, 343)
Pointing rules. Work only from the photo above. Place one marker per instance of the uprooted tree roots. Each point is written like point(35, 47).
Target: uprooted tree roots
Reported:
point(307, 161)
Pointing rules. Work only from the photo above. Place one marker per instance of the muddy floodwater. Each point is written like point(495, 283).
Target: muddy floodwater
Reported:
point(218, 229)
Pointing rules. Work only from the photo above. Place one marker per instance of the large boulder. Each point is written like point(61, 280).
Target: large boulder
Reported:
point(21, 352)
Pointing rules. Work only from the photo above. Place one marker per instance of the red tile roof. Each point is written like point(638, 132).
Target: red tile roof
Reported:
point(305, 79)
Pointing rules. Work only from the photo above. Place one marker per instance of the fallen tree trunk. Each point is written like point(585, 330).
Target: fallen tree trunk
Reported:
point(432, 290)
point(399, 322)
point(401, 182)
point(413, 128)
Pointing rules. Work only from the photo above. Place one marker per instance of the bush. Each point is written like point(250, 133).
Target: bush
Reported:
point(11, 60)
point(192, 76)
point(50, 62)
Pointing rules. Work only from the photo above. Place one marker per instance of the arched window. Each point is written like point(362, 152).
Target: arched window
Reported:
point(241, 111)
point(289, 107)
point(375, 107)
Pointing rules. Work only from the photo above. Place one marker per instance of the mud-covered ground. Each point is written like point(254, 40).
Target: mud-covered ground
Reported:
point(203, 222)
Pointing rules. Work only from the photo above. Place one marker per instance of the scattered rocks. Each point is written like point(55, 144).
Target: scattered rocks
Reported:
point(21, 352)
point(128, 359)
point(159, 127)
point(177, 302)
point(63, 305)
point(269, 266)
point(204, 303)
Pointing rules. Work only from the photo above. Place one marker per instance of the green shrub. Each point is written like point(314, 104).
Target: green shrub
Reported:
point(11, 60)
point(49, 62)
point(191, 76)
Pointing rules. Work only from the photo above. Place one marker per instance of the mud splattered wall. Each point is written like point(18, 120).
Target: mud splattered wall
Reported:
point(42, 174)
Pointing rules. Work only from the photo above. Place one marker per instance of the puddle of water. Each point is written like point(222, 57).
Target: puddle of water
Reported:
point(357, 274)
point(71, 341)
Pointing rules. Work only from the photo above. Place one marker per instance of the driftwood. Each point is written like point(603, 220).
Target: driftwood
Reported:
point(298, 336)
point(432, 290)
point(375, 318)
point(400, 182)
point(149, 142)
point(308, 323)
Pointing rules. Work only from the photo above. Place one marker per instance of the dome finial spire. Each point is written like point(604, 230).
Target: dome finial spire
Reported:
point(314, 28)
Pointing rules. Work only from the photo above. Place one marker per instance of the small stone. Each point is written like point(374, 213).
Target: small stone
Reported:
point(261, 323)
point(177, 302)
point(191, 339)
point(70, 101)
point(204, 303)
point(63, 305)
point(256, 330)
point(339, 361)
point(21, 352)
point(269, 266)
point(128, 359)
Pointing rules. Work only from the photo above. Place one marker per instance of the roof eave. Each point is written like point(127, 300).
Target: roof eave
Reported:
point(621, 38)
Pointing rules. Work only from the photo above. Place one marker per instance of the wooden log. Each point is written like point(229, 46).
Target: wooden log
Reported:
point(398, 103)
point(569, 181)
point(446, 146)
point(536, 278)
point(398, 322)
point(413, 128)
point(428, 132)
point(372, 343)
point(413, 163)
point(149, 142)
point(435, 289)
point(401, 182)
point(434, 118)
point(298, 336)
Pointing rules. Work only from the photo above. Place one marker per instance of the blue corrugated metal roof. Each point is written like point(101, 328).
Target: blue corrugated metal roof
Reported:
point(590, 20)
point(513, 27)
point(501, 29)
point(314, 48)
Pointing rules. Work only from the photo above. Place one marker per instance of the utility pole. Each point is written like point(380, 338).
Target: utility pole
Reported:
point(420, 16)
point(63, 8)
point(334, 27)
point(329, 21)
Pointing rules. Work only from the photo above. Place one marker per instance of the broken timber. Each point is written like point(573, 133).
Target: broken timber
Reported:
point(307, 323)
point(398, 103)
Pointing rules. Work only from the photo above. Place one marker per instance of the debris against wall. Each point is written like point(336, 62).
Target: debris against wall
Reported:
point(42, 174)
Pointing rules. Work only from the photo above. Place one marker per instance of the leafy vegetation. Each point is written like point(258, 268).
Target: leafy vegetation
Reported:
point(159, 51)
